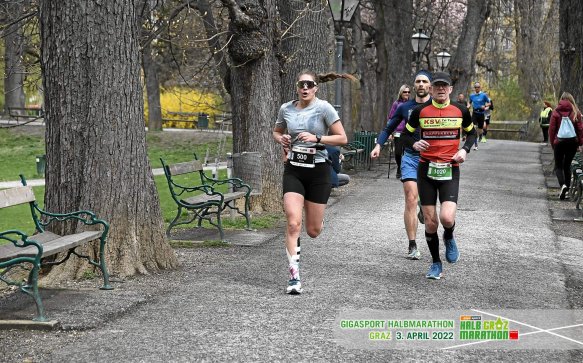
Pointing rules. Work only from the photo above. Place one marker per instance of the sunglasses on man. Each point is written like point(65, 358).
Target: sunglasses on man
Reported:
point(309, 84)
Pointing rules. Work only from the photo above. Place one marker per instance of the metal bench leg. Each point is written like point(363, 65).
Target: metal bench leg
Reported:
point(173, 221)
point(103, 266)
point(220, 225)
point(247, 214)
point(32, 289)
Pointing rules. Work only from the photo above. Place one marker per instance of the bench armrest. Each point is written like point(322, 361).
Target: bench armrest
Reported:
point(179, 192)
point(20, 239)
point(87, 217)
point(235, 182)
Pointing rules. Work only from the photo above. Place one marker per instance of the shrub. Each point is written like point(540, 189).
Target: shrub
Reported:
point(189, 101)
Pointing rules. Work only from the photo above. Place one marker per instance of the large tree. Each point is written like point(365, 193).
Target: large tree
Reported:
point(14, 43)
point(95, 137)
point(462, 65)
point(255, 90)
point(571, 46)
point(394, 55)
point(266, 54)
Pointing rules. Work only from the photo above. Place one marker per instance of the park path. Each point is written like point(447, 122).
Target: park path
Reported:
point(227, 304)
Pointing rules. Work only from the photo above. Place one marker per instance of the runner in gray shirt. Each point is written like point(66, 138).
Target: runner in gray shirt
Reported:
point(303, 127)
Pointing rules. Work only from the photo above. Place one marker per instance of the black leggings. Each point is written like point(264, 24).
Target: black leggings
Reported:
point(398, 151)
point(545, 131)
point(564, 153)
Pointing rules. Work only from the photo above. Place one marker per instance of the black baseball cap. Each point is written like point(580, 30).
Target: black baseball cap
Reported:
point(441, 77)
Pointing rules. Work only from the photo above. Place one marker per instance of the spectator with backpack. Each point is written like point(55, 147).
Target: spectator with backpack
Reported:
point(544, 119)
point(566, 135)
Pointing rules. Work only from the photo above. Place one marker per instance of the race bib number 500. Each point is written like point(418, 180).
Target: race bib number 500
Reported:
point(302, 156)
point(439, 171)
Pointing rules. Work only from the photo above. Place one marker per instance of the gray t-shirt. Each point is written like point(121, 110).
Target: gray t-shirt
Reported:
point(315, 119)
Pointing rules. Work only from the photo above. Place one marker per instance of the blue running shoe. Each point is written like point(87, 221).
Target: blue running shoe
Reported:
point(434, 272)
point(452, 255)
point(294, 287)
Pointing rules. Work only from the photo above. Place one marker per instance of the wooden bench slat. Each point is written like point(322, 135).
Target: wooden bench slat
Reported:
point(508, 122)
point(202, 198)
point(232, 196)
point(10, 251)
point(15, 196)
point(186, 167)
point(67, 242)
point(52, 244)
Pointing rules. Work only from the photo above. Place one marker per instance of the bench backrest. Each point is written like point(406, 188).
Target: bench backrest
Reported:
point(186, 167)
point(16, 196)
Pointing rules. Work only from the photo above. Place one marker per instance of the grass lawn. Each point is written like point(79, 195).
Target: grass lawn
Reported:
point(19, 147)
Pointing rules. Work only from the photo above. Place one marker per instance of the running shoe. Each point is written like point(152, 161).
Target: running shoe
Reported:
point(484, 139)
point(294, 287)
point(420, 213)
point(398, 175)
point(414, 253)
point(434, 272)
point(476, 147)
point(452, 255)
point(563, 193)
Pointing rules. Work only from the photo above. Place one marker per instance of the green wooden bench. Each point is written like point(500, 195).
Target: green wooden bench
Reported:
point(199, 197)
point(25, 112)
point(32, 252)
point(512, 127)
point(351, 153)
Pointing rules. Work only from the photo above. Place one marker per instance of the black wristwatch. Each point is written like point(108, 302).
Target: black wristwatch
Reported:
point(318, 138)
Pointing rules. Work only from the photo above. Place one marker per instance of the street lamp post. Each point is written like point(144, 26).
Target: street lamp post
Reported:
point(443, 58)
point(419, 42)
point(342, 11)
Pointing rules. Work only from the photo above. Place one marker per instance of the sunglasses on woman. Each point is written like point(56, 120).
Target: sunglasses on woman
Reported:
point(309, 84)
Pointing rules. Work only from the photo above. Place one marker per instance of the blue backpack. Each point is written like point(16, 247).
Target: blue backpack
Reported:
point(566, 130)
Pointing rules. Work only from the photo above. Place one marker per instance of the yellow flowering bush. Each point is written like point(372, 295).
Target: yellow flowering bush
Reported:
point(180, 103)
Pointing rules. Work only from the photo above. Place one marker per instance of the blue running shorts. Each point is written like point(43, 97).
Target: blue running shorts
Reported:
point(409, 163)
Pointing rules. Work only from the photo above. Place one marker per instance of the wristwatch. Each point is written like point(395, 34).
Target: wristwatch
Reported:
point(318, 138)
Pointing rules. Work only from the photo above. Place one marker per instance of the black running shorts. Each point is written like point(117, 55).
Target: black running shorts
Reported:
point(478, 119)
point(313, 183)
point(448, 190)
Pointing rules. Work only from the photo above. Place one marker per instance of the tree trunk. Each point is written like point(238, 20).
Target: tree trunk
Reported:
point(255, 91)
point(393, 25)
point(365, 64)
point(14, 68)
point(306, 22)
point(361, 98)
point(152, 89)
point(462, 65)
point(96, 150)
point(571, 44)
point(527, 20)
point(214, 41)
